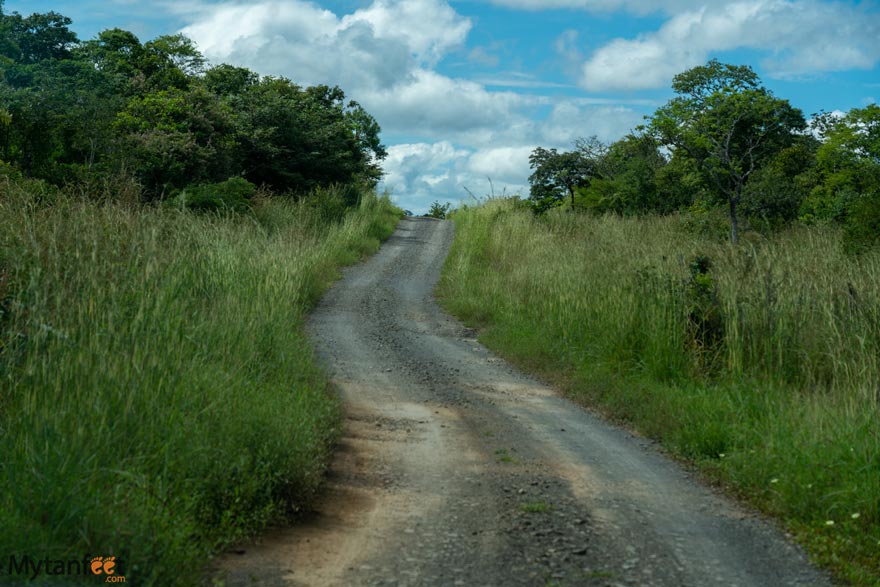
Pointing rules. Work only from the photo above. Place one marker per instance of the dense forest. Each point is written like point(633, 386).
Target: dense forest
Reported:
point(726, 142)
point(156, 113)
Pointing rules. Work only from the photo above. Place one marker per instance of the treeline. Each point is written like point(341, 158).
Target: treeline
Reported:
point(726, 143)
point(84, 112)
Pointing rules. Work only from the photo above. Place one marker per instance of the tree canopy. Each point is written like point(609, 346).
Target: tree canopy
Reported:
point(158, 112)
point(728, 125)
point(724, 140)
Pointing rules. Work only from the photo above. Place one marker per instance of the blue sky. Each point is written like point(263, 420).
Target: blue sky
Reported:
point(464, 90)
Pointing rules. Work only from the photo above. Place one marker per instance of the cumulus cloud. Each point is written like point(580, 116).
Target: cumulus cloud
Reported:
point(299, 39)
point(382, 55)
point(504, 165)
point(453, 134)
point(801, 37)
point(419, 173)
point(429, 28)
point(635, 6)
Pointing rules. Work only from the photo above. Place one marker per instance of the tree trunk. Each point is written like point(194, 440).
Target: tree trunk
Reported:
point(571, 191)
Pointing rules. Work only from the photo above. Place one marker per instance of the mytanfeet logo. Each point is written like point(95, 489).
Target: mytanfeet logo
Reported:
point(34, 568)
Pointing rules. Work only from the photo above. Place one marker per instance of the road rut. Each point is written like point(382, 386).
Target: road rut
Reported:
point(455, 469)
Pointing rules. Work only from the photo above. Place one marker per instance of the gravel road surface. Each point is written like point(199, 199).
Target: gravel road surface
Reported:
point(455, 469)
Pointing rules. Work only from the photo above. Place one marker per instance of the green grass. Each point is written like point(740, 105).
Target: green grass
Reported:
point(781, 405)
point(503, 456)
point(158, 398)
point(535, 507)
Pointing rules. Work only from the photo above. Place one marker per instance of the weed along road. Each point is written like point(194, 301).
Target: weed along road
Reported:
point(455, 469)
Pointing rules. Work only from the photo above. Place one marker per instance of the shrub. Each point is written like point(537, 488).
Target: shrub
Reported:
point(439, 210)
point(862, 229)
point(233, 195)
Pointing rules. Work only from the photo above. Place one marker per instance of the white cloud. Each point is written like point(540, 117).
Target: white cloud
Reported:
point(569, 120)
point(504, 165)
point(380, 55)
point(429, 103)
point(455, 133)
point(802, 37)
point(635, 6)
point(374, 47)
point(419, 173)
point(429, 28)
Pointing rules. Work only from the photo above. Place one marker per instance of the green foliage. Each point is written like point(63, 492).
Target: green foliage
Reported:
point(728, 124)
point(160, 400)
point(626, 178)
point(114, 106)
point(705, 320)
point(296, 139)
point(847, 173)
point(556, 176)
point(610, 308)
point(230, 81)
point(439, 210)
point(862, 229)
point(232, 195)
point(38, 37)
point(175, 137)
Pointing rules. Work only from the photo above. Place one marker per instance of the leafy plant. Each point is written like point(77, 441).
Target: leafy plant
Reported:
point(233, 195)
point(439, 210)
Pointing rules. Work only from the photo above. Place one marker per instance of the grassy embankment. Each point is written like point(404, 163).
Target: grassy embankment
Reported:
point(763, 370)
point(159, 399)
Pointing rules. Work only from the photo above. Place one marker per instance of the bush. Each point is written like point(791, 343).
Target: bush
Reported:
point(233, 195)
point(771, 196)
point(439, 210)
point(862, 229)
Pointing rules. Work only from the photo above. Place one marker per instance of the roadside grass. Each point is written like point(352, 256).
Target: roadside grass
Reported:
point(503, 456)
point(158, 398)
point(535, 507)
point(762, 366)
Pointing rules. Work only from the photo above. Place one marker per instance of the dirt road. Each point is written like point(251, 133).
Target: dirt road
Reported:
point(455, 469)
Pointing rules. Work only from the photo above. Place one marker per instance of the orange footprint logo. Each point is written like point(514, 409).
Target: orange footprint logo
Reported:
point(105, 565)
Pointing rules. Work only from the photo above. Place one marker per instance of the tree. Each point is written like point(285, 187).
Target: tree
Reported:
point(728, 124)
point(230, 81)
point(179, 52)
point(625, 176)
point(172, 138)
point(38, 37)
point(296, 139)
point(776, 191)
point(556, 175)
point(848, 165)
point(118, 54)
point(438, 210)
point(366, 134)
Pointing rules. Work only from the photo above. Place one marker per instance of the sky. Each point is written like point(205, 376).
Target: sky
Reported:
point(464, 90)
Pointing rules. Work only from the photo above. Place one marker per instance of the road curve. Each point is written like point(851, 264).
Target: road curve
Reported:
point(455, 469)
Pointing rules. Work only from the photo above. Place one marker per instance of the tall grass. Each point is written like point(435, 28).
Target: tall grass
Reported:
point(780, 404)
point(159, 399)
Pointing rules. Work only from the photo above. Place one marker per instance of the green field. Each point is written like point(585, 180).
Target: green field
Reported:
point(159, 399)
point(760, 363)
